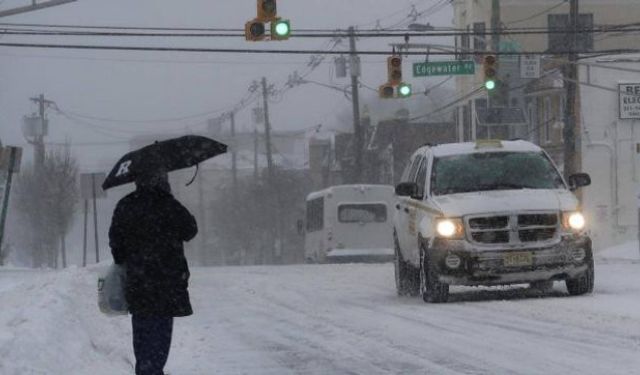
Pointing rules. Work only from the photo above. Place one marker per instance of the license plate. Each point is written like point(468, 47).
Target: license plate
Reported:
point(518, 259)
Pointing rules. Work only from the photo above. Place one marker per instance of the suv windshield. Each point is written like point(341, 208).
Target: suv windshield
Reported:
point(493, 171)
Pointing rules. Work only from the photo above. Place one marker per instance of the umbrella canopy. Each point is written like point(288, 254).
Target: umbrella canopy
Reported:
point(167, 156)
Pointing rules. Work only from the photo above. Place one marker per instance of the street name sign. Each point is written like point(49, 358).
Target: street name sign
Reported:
point(629, 94)
point(444, 68)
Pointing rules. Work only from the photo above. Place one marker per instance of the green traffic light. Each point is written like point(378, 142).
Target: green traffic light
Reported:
point(490, 85)
point(404, 90)
point(282, 28)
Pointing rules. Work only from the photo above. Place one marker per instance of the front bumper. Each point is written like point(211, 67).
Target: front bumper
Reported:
point(487, 266)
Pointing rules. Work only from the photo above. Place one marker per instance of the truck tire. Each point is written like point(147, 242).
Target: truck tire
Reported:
point(407, 277)
point(582, 284)
point(432, 290)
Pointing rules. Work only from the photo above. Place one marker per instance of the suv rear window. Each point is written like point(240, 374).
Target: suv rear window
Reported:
point(493, 171)
point(362, 213)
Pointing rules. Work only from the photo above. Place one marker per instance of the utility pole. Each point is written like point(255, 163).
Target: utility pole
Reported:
point(569, 131)
point(357, 128)
point(495, 47)
point(276, 248)
point(267, 129)
point(38, 141)
point(255, 154)
point(495, 25)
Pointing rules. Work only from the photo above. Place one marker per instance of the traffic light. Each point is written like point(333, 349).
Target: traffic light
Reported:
point(280, 29)
point(404, 90)
point(386, 91)
point(394, 68)
point(254, 30)
point(490, 68)
point(267, 10)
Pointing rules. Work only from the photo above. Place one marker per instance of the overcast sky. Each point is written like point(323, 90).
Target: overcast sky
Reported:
point(148, 86)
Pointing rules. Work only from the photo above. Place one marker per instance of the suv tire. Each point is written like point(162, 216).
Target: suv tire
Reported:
point(432, 290)
point(407, 276)
point(582, 284)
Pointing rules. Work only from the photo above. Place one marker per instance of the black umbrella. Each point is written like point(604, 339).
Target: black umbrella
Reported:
point(169, 155)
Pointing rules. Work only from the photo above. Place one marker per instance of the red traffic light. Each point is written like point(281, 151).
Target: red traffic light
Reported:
point(394, 68)
point(267, 10)
point(254, 30)
point(386, 91)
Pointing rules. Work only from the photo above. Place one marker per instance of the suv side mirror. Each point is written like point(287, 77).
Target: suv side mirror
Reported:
point(579, 180)
point(408, 189)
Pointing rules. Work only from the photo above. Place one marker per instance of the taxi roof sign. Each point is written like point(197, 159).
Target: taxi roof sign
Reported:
point(488, 143)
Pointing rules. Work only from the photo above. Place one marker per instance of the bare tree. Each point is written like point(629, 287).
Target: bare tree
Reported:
point(47, 198)
point(245, 221)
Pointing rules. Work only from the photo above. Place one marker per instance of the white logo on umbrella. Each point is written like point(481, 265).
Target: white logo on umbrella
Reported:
point(124, 168)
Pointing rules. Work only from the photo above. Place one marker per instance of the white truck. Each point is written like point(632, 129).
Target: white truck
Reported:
point(349, 223)
point(488, 213)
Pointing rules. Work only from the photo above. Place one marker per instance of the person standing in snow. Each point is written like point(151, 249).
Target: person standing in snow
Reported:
point(147, 233)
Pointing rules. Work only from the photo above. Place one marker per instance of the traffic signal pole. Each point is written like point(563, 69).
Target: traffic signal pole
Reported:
point(357, 128)
point(572, 88)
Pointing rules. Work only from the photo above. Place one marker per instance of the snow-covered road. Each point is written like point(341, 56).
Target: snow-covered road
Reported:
point(331, 319)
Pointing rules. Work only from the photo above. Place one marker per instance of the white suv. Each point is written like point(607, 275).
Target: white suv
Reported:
point(488, 213)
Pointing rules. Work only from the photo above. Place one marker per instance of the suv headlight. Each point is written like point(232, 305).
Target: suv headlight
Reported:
point(450, 228)
point(573, 221)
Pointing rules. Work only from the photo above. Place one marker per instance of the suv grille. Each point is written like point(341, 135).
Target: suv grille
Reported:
point(522, 228)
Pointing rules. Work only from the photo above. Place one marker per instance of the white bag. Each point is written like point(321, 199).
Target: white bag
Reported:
point(111, 297)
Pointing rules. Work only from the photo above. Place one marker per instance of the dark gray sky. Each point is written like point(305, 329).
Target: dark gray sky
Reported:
point(147, 86)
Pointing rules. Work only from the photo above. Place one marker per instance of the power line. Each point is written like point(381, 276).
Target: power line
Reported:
point(293, 51)
point(325, 33)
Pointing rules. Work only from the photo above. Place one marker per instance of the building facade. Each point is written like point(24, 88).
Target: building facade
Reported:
point(540, 101)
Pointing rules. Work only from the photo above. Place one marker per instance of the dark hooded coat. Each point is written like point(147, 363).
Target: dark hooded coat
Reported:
point(147, 233)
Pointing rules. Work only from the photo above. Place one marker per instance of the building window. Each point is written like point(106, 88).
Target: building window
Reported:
point(362, 213)
point(561, 42)
point(479, 38)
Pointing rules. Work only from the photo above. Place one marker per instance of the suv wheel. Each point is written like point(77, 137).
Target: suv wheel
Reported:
point(582, 284)
point(407, 277)
point(432, 290)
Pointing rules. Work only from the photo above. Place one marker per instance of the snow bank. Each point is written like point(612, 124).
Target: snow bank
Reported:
point(50, 324)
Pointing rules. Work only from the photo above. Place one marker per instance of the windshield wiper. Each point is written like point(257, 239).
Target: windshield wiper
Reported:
point(501, 186)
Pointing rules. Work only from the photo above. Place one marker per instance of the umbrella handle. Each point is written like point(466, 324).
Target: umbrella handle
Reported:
point(194, 175)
